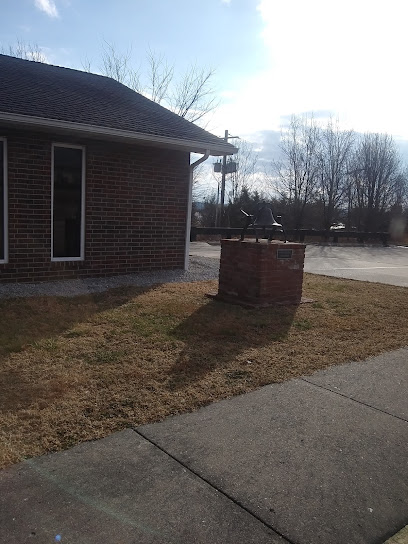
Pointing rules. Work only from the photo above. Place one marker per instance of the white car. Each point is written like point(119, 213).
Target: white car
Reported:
point(338, 226)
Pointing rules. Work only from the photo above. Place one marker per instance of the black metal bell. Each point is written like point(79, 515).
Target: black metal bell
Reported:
point(264, 217)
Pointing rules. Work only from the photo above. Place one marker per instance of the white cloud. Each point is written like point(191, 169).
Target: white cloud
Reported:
point(344, 57)
point(47, 6)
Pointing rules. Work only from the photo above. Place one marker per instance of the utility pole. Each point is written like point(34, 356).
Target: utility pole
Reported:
point(217, 207)
point(224, 167)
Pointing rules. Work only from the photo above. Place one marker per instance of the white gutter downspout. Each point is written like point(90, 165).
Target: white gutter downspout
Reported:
point(189, 206)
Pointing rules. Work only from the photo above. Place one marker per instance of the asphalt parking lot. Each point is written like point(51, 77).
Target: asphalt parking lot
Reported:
point(376, 264)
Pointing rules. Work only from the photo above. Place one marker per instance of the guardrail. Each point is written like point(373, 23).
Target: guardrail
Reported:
point(298, 235)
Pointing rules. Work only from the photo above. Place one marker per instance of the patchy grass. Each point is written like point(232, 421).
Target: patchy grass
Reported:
point(74, 369)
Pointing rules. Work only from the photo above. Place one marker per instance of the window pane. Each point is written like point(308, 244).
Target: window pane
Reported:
point(67, 202)
point(1, 200)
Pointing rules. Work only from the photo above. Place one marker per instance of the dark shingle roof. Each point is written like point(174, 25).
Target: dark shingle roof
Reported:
point(44, 91)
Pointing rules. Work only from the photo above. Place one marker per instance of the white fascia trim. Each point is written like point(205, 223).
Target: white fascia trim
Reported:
point(83, 181)
point(94, 130)
point(5, 202)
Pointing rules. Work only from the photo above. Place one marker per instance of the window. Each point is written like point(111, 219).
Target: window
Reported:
point(68, 203)
point(3, 201)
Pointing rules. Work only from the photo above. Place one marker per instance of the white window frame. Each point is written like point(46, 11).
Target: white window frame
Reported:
point(5, 201)
point(82, 244)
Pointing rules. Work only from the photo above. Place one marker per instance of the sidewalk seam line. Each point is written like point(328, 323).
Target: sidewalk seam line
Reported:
point(354, 400)
point(225, 494)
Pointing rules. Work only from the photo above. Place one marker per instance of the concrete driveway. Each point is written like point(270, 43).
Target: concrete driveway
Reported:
point(377, 264)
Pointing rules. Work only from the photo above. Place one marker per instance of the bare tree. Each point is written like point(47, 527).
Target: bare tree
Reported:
point(26, 51)
point(160, 75)
point(86, 64)
point(378, 180)
point(115, 64)
point(201, 188)
point(191, 96)
point(295, 176)
point(401, 188)
point(246, 162)
point(335, 150)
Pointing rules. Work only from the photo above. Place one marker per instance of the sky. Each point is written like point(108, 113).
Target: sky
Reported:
point(272, 58)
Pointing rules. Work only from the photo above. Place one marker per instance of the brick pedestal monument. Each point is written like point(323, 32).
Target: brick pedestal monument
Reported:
point(261, 274)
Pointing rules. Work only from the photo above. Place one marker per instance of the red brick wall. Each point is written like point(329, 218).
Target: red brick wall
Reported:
point(252, 273)
point(136, 205)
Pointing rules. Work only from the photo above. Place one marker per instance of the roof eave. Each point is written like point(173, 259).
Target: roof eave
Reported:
point(107, 133)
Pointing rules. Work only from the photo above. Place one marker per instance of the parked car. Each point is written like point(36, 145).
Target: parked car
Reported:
point(338, 226)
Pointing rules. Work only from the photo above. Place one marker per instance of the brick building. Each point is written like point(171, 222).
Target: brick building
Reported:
point(95, 179)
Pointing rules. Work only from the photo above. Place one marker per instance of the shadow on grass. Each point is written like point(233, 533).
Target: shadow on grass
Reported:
point(217, 333)
point(19, 391)
point(25, 321)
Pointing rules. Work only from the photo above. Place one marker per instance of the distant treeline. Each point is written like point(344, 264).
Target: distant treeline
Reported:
point(323, 176)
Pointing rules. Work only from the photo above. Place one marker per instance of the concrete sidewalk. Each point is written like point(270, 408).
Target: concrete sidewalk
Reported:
point(321, 459)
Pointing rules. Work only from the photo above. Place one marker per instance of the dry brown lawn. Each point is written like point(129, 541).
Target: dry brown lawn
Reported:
point(75, 369)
